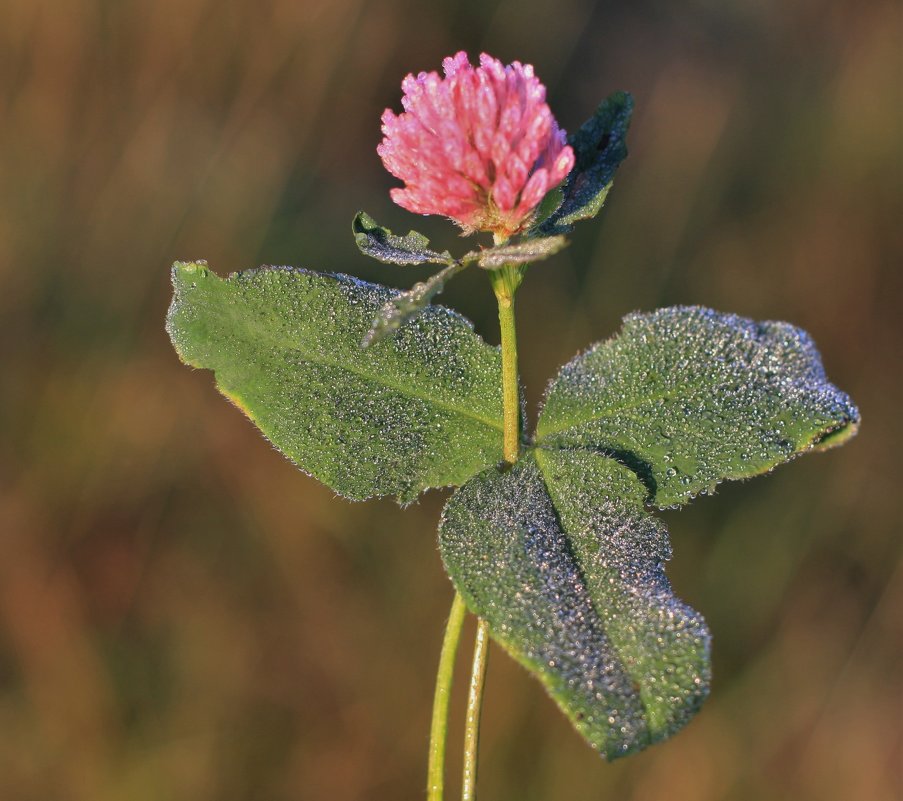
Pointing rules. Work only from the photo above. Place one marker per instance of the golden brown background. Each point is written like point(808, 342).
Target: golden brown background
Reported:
point(183, 616)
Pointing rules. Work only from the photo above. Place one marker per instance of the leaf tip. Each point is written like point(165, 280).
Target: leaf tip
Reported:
point(624, 99)
point(363, 223)
point(185, 268)
point(185, 274)
point(839, 435)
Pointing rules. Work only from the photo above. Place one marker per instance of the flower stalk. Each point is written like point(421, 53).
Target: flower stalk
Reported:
point(480, 146)
point(505, 282)
point(474, 708)
point(435, 784)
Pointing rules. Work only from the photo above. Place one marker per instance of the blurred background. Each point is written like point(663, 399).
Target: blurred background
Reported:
point(184, 616)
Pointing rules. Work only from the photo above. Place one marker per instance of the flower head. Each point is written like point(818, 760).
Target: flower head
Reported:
point(479, 145)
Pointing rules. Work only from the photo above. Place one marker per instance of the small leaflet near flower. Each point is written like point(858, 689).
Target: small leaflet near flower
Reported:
point(525, 252)
point(407, 305)
point(380, 243)
point(600, 145)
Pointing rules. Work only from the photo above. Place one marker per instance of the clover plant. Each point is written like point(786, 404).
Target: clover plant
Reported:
point(550, 536)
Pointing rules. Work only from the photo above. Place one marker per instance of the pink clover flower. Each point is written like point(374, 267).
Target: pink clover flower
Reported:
point(479, 146)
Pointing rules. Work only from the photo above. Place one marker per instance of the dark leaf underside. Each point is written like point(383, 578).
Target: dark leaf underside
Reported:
point(600, 145)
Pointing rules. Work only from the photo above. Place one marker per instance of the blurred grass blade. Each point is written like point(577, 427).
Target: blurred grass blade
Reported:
point(561, 559)
point(688, 397)
point(421, 410)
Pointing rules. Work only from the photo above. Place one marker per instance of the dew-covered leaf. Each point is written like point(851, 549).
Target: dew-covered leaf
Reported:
point(561, 559)
point(380, 243)
point(422, 409)
point(524, 252)
point(687, 397)
point(600, 145)
point(546, 208)
point(407, 305)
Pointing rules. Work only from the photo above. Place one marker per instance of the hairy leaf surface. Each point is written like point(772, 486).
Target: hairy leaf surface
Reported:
point(687, 397)
point(380, 243)
point(524, 252)
point(562, 560)
point(408, 304)
point(422, 409)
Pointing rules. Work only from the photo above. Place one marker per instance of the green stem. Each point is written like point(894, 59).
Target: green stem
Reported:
point(435, 782)
point(505, 282)
point(474, 706)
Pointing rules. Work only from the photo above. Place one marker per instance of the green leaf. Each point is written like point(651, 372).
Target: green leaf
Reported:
point(559, 557)
point(600, 145)
point(687, 397)
point(420, 410)
point(407, 305)
point(546, 208)
point(524, 252)
point(380, 243)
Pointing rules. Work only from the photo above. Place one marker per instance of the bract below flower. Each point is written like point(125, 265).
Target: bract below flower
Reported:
point(479, 146)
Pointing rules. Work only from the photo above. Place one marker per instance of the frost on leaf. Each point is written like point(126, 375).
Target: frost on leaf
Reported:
point(406, 305)
point(524, 252)
point(688, 397)
point(559, 556)
point(380, 243)
point(422, 409)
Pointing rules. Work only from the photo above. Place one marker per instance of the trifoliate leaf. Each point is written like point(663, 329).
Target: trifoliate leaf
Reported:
point(407, 305)
point(380, 243)
point(600, 145)
point(559, 556)
point(524, 252)
point(422, 409)
point(687, 397)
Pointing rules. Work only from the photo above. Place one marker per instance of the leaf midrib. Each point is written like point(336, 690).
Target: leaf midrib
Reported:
point(606, 413)
point(540, 459)
point(670, 394)
point(373, 378)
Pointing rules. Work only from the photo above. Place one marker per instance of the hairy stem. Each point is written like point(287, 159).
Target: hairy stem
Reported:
point(505, 282)
point(435, 783)
point(474, 707)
